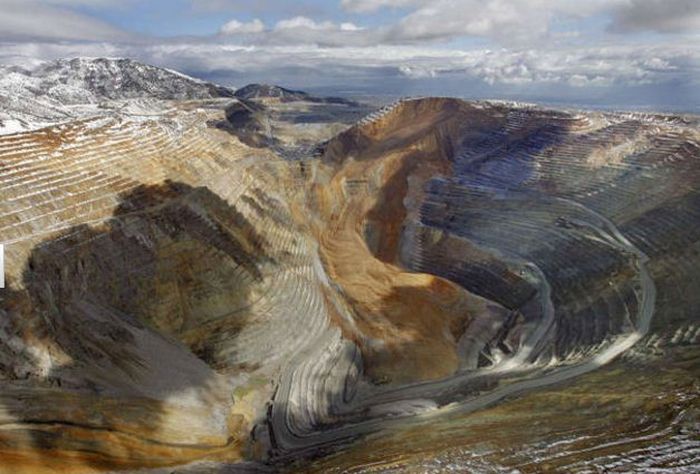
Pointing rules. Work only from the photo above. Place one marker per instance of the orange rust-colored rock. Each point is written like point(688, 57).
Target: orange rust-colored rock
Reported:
point(408, 324)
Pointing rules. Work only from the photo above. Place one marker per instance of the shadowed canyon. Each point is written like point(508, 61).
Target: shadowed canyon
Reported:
point(279, 283)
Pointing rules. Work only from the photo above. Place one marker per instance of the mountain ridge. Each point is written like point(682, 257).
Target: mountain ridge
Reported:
point(257, 91)
point(65, 89)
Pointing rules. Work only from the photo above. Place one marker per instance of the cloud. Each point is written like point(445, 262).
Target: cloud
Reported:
point(525, 47)
point(582, 67)
point(298, 30)
point(305, 31)
point(31, 20)
point(664, 16)
point(347, 26)
point(506, 21)
point(444, 19)
point(574, 66)
point(525, 21)
point(304, 23)
point(235, 27)
point(365, 6)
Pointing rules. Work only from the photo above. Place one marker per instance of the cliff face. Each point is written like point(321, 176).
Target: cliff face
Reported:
point(176, 295)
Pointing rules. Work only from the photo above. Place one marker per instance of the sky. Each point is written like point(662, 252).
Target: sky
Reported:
point(597, 53)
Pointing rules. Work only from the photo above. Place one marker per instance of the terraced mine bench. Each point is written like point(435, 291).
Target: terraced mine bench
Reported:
point(436, 276)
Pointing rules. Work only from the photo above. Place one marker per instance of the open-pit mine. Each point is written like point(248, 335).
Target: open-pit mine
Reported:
point(272, 282)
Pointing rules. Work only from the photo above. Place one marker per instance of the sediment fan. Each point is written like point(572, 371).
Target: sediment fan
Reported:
point(176, 296)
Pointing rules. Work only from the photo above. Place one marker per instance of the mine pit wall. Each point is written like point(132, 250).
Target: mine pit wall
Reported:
point(360, 183)
point(434, 250)
point(399, 229)
point(610, 277)
point(414, 277)
point(143, 291)
point(363, 205)
point(407, 156)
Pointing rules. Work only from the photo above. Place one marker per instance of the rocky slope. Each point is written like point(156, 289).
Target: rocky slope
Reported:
point(292, 123)
point(68, 88)
point(448, 284)
point(267, 92)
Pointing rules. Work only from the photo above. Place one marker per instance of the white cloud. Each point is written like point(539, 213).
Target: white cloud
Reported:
point(29, 19)
point(347, 26)
point(235, 27)
point(295, 30)
point(664, 16)
point(417, 72)
point(302, 30)
point(594, 66)
point(509, 21)
point(303, 22)
point(526, 21)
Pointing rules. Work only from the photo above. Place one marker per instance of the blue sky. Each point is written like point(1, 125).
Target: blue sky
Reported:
point(642, 53)
point(163, 18)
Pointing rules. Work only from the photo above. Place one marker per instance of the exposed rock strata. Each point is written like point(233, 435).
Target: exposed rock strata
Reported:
point(177, 296)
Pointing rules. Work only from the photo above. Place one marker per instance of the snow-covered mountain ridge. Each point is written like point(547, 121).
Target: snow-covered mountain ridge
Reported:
point(65, 89)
